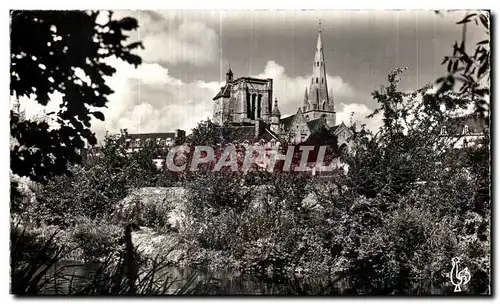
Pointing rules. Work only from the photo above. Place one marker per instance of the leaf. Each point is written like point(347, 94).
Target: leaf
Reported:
point(98, 115)
point(132, 59)
point(128, 23)
point(484, 21)
point(466, 19)
point(482, 69)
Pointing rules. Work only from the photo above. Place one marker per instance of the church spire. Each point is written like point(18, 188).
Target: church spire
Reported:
point(318, 90)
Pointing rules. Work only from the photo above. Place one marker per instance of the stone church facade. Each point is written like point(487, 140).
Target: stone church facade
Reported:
point(247, 101)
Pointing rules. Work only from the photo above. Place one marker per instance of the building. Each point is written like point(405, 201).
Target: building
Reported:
point(133, 142)
point(248, 102)
point(243, 101)
point(464, 131)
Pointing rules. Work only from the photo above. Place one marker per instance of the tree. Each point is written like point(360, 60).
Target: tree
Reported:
point(62, 52)
point(472, 71)
point(207, 133)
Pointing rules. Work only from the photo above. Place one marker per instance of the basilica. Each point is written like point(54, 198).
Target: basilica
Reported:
point(247, 104)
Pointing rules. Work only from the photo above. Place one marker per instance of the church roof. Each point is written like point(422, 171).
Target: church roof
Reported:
point(287, 121)
point(337, 128)
point(455, 125)
point(316, 124)
point(225, 91)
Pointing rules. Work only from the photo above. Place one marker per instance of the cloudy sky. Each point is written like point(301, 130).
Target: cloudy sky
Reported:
point(188, 52)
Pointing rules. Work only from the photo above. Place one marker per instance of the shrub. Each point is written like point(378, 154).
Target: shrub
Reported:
point(96, 239)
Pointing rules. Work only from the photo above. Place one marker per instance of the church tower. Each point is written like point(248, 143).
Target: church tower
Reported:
point(317, 102)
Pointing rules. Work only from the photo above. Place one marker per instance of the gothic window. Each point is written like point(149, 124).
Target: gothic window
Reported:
point(322, 80)
point(443, 131)
point(259, 102)
point(316, 79)
point(249, 107)
point(324, 104)
point(252, 116)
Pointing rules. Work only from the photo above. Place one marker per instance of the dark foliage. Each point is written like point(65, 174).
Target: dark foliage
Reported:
point(53, 51)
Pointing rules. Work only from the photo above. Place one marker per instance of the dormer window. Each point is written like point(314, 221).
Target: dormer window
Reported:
point(443, 130)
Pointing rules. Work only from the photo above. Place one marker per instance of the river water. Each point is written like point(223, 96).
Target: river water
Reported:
point(76, 276)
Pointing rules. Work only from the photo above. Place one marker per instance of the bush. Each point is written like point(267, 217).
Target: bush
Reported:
point(96, 239)
point(156, 217)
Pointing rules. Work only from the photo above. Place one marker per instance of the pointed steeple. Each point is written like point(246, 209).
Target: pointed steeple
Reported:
point(318, 90)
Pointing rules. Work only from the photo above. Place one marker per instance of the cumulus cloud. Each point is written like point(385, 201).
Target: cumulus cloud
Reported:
point(174, 39)
point(148, 99)
point(189, 42)
point(356, 113)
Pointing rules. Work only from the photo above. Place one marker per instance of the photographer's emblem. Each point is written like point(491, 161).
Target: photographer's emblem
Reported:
point(458, 277)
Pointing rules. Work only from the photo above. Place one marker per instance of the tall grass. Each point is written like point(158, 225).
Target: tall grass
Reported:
point(36, 269)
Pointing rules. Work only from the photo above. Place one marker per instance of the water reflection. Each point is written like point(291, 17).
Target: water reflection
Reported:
point(69, 277)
